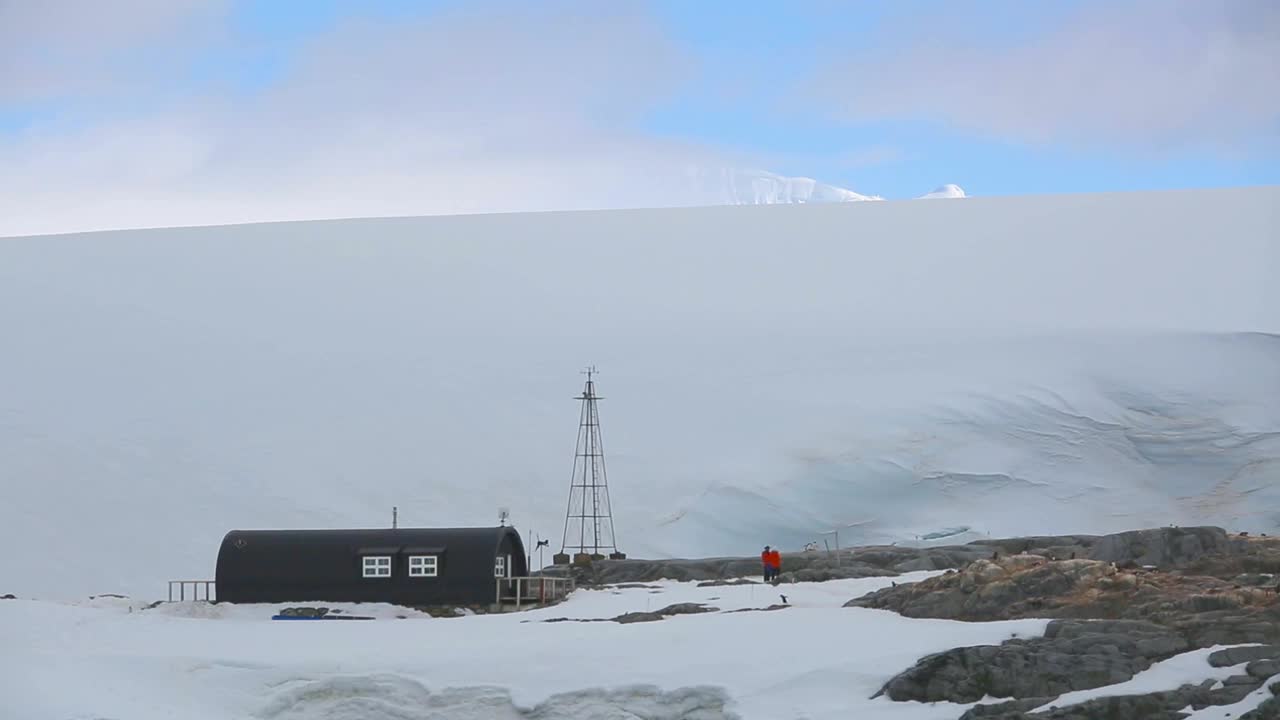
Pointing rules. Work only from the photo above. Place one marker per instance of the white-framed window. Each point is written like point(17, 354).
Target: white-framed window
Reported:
point(423, 566)
point(499, 566)
point(376, 566)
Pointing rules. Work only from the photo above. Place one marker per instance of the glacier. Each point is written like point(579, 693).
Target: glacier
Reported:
point(893, 372)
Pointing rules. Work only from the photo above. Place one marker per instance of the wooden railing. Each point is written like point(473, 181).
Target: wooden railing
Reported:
point(531, 591)
point(210, 591)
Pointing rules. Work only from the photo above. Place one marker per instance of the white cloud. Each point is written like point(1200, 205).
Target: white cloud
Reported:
point(84, 48)
point(1146, 74)
point(478, 110)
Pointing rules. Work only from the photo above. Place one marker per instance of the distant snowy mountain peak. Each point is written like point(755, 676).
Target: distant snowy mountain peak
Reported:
point(760, 187)
point(946, 191)
point(734, 186)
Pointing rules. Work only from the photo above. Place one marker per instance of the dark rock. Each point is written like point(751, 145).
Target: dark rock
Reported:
point(1238, 655)
point(8, 597)
point(1072, 655)
point(1251, 561)
point(1263, 668)
point(1169, 547)
point(677, 609)
point(303, 612)
point(1039, 544)
point(636, 617)
point(775, 606)
point(1249, 680)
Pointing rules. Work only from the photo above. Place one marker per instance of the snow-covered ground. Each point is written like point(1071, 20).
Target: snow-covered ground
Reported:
point(895, 370)
point(112, 658)
point(814, 660)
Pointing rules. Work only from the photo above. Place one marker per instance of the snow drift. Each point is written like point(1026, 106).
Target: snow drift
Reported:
point(891, 370)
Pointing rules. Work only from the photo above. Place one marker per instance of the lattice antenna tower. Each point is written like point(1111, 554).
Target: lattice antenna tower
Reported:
point(588, 522)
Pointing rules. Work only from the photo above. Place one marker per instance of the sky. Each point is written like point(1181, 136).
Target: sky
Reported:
point(144, 113)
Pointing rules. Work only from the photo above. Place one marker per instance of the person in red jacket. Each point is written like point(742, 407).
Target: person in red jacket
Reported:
point(772, 561)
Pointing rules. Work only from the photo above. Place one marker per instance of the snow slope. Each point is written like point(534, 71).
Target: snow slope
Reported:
point(897, 370)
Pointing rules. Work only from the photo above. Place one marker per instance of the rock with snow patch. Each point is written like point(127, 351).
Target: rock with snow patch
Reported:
point(1006, 709)
point(1072, 655)
point(1151, 706)
point(668, 611)
point(1238, 655)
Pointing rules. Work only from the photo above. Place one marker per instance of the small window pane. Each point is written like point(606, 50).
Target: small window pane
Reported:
point(422, 566)
point(376, 566)
point(500, 567)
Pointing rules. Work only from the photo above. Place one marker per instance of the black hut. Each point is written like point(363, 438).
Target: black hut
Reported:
point(404, 566)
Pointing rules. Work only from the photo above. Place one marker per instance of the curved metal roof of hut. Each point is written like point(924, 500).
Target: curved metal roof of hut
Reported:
point(274, 563)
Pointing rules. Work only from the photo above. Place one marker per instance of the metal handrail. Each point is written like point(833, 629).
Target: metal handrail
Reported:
point(549, 589)
point(210, 590)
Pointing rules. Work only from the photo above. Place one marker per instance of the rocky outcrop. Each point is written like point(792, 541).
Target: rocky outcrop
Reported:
point(1161, 548)
point(1204, 610)
point(1072, 655)
point(1137, 598)
point(1208, 551)
point(666, 612)
point(1151, 706)
point(1239, 655)
point(1264, 668)
point(636, 617)
point(1249, 561)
